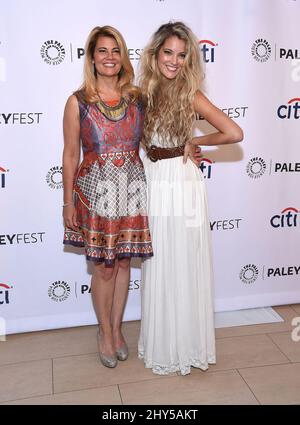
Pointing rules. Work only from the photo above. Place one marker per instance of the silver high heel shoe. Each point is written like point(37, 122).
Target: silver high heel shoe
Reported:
point(108, 361)
point(122, 352)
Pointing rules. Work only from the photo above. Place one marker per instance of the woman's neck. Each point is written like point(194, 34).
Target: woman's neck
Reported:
point(108, 87)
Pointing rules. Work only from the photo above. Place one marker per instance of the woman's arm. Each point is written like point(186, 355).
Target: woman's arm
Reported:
point(229, 131)
point(71, 155)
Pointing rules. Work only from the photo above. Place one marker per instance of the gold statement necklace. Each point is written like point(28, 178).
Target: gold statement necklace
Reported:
point(113, 113)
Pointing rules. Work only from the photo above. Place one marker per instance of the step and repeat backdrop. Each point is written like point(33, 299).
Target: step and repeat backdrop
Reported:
point(251, 56)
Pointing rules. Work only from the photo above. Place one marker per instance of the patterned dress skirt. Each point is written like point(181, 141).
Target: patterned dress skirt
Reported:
point(110, 202)
point(110, 187)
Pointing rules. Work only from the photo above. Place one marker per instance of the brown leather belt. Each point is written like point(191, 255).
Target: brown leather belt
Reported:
point(155, 153)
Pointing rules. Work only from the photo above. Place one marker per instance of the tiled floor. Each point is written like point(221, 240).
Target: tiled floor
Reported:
point(256, 364)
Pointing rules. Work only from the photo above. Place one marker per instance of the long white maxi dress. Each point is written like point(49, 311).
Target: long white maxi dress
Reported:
point(177, 327)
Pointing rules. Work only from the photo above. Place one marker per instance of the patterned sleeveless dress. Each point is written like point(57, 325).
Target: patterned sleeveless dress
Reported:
point(110, 184)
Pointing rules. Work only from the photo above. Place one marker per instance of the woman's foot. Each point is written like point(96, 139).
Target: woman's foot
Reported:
point(121, 346)
point(122, 352)
point(107, 353)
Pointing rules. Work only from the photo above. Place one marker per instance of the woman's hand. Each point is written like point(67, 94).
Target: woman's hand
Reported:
point(70, 217)
point(193, 152)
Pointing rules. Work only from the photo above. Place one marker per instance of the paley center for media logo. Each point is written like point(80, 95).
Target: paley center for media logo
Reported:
point(5, 293)
point(59, 291)
point(291, 110)
point(54, 177)
point(261, 51)
point(134, 53)
point(250, 272)
point(281, 271)
point(287, 218)
point(85, 289)
point(3, 172)
point(53, 52)
point(257, 166)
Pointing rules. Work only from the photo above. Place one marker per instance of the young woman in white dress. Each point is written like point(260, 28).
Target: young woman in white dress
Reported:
point(177, 327)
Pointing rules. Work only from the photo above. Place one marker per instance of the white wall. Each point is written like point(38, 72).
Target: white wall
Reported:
point(44, 285)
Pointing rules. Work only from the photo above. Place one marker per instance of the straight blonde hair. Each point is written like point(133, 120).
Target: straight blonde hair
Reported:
point(126, 74)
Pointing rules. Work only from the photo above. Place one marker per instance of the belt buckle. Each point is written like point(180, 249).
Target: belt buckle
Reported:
point(151, 152)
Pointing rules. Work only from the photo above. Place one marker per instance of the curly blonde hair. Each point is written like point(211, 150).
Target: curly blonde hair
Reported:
point(126, 74)
point(169, 104)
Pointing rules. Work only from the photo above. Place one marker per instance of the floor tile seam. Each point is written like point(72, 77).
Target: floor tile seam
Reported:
point(27, 398)
point(24, 361)
point(276, 345)
point(58, 393)
point(52, 367)
point(247, 335)
point(46, 358)
point(297, 312)
point(250, 389)
point(120, 394)
point(268, 365)
point(250, 367)
point(111, 385)
point(251, 334)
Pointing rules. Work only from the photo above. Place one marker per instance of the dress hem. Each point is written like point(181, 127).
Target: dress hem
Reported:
point(110, 262)
point(184, 369)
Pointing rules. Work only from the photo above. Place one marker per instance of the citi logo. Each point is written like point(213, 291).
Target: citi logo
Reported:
point(4, 293)
point(2, 177)
point(287, 218)
point(205, 166)
point(207, 47)
point(290, 110)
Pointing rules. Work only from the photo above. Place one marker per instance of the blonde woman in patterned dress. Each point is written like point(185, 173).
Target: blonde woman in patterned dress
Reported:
point(105, 197)
point(177, 327)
